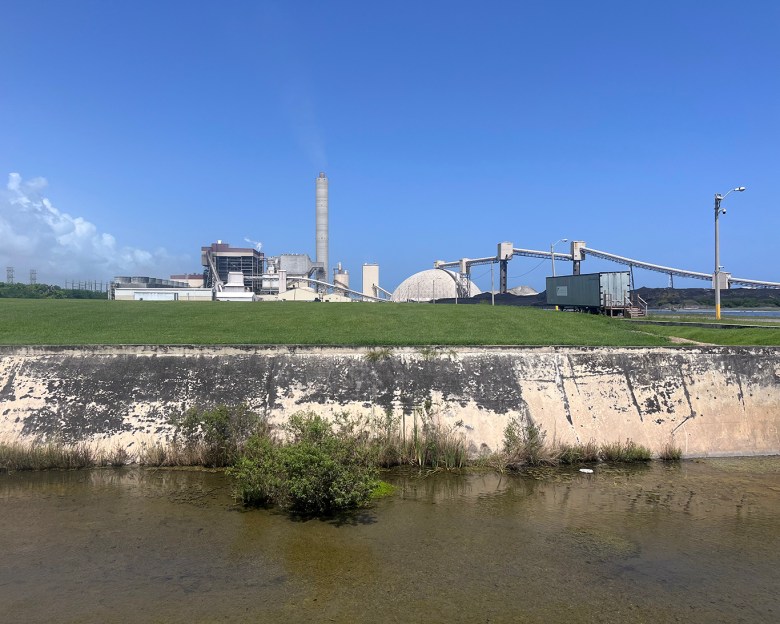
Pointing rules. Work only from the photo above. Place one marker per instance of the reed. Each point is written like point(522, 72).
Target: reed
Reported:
point(628, 451)
point(670, 452)
point(580, 453)
point(116, 457)
point(45, 455)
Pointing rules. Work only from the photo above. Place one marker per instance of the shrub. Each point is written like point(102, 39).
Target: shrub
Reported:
point(315, 472)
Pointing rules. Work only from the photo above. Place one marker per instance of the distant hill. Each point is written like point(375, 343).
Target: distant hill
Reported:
point(705, 297)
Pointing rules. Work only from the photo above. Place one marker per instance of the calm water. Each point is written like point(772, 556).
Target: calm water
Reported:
point(696, 542)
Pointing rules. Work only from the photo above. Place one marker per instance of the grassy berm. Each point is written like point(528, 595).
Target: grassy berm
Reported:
point(84, 322)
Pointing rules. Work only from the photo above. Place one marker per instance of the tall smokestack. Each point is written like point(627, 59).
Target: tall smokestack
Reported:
point(321, 219)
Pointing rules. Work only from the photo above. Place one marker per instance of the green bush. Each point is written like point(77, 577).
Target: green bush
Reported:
point(315, 472)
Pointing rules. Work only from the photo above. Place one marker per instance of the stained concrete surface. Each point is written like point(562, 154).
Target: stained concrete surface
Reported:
point(707, 400)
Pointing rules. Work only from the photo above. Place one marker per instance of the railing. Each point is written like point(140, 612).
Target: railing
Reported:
point(642, 304)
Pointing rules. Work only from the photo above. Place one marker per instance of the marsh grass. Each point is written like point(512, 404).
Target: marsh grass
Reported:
point(670, 452)
point(429, 442)
point(628, 451)
point(116, 457)
point(46, 455)
point(437, 445)
point(580, 453)
point(525, 445)
point(159, 454)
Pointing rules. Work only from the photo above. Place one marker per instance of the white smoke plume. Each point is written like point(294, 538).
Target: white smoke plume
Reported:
point(256, 244)
point(60, 247)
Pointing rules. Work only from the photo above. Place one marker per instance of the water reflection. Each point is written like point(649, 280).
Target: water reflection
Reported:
point(697, 541)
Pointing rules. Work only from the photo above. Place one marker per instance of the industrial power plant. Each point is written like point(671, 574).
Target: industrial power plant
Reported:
point(247, 274)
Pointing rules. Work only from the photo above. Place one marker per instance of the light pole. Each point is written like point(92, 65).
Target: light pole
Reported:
point(552, 252)
point(718, 210)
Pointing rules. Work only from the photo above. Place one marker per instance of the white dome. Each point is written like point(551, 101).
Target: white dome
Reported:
point(429, 285)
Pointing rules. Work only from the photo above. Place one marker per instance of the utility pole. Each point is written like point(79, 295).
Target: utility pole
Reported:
point(716, 277)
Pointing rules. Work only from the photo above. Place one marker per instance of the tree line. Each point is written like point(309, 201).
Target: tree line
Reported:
point(46, 291)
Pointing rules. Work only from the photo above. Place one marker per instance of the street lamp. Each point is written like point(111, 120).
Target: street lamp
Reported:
point(718, 210)
point(552, 253)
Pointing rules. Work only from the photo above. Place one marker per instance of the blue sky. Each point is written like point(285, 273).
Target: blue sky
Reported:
point(140, 131)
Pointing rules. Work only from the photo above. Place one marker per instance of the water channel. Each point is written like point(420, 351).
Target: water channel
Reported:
point(697, 541)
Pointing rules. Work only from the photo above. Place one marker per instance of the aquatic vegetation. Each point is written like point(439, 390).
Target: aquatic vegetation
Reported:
point(45, 455)
point(628, 451)
point(579, 453)
point(214, 437)
point(435, 444)
point(116, 457)
point(670, 452)
point(382, 489)
point(599, 543)
point(525, 445)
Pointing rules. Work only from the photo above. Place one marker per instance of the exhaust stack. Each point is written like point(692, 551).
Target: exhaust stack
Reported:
point(321, 222)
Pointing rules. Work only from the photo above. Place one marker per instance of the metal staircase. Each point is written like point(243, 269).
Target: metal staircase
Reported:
point(636, 308)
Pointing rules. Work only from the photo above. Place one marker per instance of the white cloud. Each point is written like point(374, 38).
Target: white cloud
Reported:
point(35, 235)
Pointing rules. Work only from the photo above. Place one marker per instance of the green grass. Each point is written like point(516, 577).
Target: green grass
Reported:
point(73, 322)
point(735, 337)
point(710, 319)
point(84, 322)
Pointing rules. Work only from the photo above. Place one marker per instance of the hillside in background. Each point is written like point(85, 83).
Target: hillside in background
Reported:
point(705, 297)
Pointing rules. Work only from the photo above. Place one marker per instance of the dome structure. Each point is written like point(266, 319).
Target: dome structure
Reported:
point(432, 284)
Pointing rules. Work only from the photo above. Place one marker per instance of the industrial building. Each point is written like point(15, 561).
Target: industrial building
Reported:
point(155, 289)
point(434, 284)
point(247, 274)
point(220, 259)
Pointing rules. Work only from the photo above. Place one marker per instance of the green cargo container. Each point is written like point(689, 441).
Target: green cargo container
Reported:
point(592, 291)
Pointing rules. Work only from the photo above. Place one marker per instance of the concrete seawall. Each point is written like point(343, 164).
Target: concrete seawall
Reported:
point(708, 400)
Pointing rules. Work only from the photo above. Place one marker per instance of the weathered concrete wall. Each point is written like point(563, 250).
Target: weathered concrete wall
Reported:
point(708, 400)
